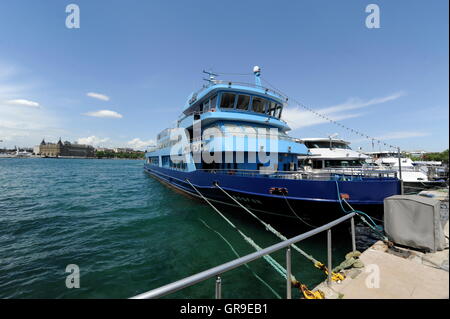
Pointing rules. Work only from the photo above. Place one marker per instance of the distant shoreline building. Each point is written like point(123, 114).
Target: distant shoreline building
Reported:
point(123, 150)
point(61, 149)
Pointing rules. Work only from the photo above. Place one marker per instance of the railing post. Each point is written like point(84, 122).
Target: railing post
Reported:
point(288, 273)
point(352, 221)
point(218, 287)
point(330, 266)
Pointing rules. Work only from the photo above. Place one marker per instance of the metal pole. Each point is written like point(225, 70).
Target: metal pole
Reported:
point(330, 266)
point(400, 170)
point(353, 234)
point(218, 288)
point(288, 273)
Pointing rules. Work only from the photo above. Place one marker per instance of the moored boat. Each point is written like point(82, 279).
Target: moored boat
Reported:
point(231, 139)
point(415, 177)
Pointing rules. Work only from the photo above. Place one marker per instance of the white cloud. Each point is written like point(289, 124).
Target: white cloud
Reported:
point(402, 135)
point(27, 125)
point(98, 96)
point(23, 102)
point(297, 117)
point(104, 113)
point(399, 135)
point(92, 140)
point(357, 103)
point(139, 144)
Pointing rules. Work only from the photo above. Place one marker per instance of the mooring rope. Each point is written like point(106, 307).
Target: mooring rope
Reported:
point(292, 210)
point(268, 226)
point(238, 256)
point(361, 215)
point(317, 264)
point(280, 269)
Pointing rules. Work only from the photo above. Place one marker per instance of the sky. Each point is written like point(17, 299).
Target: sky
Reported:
point(125, 73)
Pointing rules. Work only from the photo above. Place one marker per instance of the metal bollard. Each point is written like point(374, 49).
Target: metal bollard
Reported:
point(288, 273)
point(353, 234)
point(218, 288)
point(330, 266)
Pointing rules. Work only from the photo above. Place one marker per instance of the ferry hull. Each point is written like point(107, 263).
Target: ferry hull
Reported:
point(311, 199)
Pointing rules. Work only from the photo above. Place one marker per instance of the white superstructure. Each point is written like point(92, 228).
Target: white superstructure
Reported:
point(390, 160)
point(330, 153)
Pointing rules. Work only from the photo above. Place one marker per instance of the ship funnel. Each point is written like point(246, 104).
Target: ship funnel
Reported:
point(257, 72)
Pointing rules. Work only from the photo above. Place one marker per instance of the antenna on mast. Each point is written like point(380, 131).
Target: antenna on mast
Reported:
point(211, 76)
point(331, 138)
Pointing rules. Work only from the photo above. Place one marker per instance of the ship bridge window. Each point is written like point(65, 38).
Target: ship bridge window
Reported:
point(259, 105)
point(227, 101)
point(272, 108)
point(213, 102)
point(205, 107)
point(243, 102)
point(341, 145)
point(327, 145)
point(278, 111)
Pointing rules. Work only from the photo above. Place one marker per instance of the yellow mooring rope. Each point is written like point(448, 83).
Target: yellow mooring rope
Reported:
point(308, 294)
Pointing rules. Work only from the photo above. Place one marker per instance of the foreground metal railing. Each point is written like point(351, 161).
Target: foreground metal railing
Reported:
point(219, 270)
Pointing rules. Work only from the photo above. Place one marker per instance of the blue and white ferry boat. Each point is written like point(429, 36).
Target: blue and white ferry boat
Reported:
point(231, 137)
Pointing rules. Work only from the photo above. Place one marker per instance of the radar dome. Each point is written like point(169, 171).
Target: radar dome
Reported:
point(256, 69)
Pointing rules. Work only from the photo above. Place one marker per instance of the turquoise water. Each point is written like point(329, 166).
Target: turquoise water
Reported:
point(128, 233)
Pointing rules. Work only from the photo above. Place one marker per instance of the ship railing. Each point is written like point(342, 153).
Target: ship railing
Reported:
point(406, 168)
point(230, 84)
point(306, 175)
point(193, 113)
point(246, 134)
point(218, 271)
point(358, 171)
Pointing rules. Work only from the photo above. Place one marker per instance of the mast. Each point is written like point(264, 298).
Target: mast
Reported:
point(257, 72)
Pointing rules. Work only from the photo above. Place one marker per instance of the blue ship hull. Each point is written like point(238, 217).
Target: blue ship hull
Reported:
point(313, 199)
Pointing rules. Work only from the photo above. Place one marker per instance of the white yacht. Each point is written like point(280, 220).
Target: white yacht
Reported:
point(415, 177)
point(331, 154)
point(20, 153)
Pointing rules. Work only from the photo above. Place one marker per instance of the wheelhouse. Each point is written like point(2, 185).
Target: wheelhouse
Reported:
point(235, 122)
point(237, 101)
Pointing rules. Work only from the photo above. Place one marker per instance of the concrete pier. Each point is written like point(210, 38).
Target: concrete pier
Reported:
point(396, 273)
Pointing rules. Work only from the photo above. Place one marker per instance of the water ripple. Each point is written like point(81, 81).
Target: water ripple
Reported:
point(126, 232)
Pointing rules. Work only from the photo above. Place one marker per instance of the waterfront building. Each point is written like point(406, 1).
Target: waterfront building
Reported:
point(123, 150)
point(36, 149)
point(68, 149)
point(104, 149)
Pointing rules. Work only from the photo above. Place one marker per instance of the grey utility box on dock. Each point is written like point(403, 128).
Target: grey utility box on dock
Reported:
point(414, 221)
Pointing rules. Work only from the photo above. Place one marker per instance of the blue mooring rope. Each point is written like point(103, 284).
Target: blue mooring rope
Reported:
point(361, 214)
